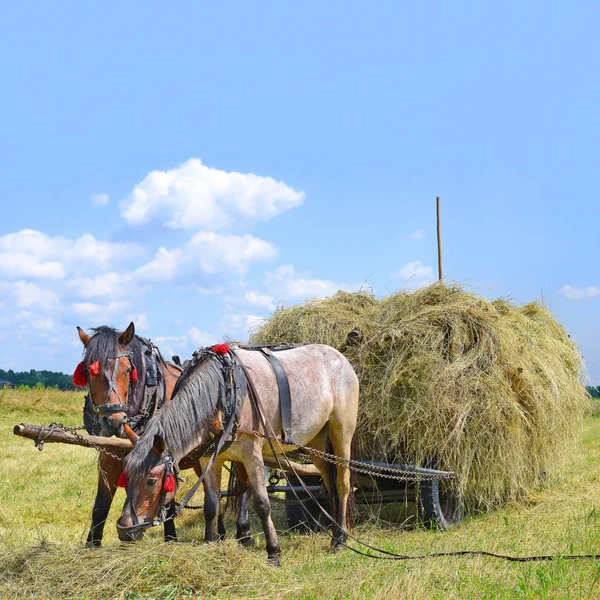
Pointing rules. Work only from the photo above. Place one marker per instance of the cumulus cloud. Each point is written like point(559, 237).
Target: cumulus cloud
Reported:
point(200, 338)
point(208, 252)
point(238, 325)
point(194, 196)
point(30, 295)
point(91, 309)
point(262, 300)
point(576, 293)
point(141, 323)
point(30, 253)
point(285, 283)
point(99, 199)
point(415, 274)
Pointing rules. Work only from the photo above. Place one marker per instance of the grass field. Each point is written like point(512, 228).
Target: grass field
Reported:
point(46, 500)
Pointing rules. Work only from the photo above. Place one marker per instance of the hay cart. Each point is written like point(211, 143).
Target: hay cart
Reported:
point(376, 484)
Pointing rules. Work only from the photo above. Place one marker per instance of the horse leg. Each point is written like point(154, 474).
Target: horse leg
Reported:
point(169, 525)
point(109, 470)
point(341, 447)
point(212, 496)
point(243, 521)
point(256, 473)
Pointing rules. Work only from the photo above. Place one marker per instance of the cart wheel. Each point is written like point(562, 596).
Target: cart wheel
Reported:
point(439, 508)
point(297, 518)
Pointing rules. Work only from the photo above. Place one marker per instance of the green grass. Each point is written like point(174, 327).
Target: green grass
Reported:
point(46, 500)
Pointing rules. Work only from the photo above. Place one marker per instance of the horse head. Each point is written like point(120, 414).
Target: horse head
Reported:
point(109, 371)
point(150, 482)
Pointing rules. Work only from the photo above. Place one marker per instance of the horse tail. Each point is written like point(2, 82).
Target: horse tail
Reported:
point(236, 486)
point(233, 498)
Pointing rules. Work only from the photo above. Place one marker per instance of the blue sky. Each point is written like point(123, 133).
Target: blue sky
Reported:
point(192, 165)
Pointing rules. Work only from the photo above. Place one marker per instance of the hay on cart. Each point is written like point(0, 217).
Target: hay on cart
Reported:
point(488, 389)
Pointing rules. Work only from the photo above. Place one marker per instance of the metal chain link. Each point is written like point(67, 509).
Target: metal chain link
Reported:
point(390, 472)
point(73, 431)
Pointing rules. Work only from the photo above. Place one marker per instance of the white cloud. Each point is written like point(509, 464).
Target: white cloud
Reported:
point(241, 325)
point(43, 323)
point(415, 274)
point(262, 300)
point(99, 199)
point(200, 338)
point(416, 235)
point(575, 293)
point(30, 253)
point(106, 285)
point(196, 196)
point(208, 252)
point(141, 323)
point(285, 283)
point(31, 295)
point(91, 309)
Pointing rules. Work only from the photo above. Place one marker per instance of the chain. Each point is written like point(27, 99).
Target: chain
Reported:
point(386, 472)
point(83, 439)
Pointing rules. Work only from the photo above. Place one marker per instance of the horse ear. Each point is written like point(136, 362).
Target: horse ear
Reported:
point(132, 436)
point(159, 446)
point(83, 336)
point(126, 337)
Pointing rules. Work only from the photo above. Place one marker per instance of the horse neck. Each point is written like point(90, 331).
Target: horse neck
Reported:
point(188, 421)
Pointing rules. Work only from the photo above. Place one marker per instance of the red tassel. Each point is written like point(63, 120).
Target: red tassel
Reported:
point(221, 348)
point(123, 480)
point(133, 376)
point(80, 378)
point(169, 485)
point(94, 369)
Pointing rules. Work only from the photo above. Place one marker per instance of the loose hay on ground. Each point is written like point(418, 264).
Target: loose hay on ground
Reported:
point(489, 390)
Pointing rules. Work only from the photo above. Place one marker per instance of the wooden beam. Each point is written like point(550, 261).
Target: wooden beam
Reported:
point(113, 443)
point(62, 437)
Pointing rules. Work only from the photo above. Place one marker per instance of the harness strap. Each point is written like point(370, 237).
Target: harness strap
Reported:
point(285, 395)
point(222, 439)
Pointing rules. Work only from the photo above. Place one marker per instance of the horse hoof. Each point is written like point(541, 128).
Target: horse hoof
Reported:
point(247, 541)
point(274, 561)
point(93, 544)
point(337, 546)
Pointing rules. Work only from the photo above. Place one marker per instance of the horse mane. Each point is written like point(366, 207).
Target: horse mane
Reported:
point(191, 411)
point(102, 347)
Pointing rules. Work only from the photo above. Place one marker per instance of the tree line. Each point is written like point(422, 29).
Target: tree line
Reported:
point(33, 379)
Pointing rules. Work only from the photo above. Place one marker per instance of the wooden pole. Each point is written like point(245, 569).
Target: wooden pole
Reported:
point(439, 239)
point(62, 437)
point(123, 446)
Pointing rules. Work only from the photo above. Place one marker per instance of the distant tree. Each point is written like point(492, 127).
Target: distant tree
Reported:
point(33, 378)
point(594, 391)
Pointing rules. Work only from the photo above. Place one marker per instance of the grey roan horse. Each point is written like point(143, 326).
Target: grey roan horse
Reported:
point(324, 391)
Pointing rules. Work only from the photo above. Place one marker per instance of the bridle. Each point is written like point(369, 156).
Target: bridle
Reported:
point(109, 408)
point(171, 468)
point(212, 447)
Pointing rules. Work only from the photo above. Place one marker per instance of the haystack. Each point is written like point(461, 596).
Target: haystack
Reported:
point(489, 390)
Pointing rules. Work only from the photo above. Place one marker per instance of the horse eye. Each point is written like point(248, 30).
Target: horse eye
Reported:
point(151, 482)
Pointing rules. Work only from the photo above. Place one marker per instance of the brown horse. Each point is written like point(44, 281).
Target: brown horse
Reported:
point(324, 393)
point(118, 368)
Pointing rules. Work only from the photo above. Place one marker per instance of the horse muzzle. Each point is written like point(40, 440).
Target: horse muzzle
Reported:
point(131, 533)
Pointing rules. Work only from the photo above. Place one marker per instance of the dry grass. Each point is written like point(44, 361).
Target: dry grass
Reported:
point(46, 499)
point(489, 390)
